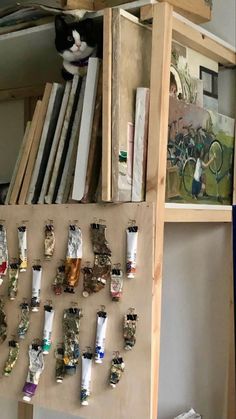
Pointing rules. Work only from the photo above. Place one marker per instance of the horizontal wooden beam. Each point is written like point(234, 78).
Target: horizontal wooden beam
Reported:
point(22, 92)
point(196, 10)
point(196, 38)
point(79, 4)
point(185, 215)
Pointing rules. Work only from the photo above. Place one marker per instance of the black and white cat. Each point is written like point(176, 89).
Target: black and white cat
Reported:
point(76, 42)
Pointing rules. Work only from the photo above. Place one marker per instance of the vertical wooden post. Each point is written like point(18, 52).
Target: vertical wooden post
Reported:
point(231, 384)
point(156, 168)
point(25, 411)
point(106, 105)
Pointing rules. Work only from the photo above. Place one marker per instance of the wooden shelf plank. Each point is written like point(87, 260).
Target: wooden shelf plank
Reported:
point(196, 10)
point(197, 38)
point(180, 214)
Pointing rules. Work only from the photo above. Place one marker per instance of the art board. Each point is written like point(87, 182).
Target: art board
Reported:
point(197, 133)
point(130, 399)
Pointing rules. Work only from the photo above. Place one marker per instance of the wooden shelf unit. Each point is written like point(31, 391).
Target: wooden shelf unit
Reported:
point(166, 26)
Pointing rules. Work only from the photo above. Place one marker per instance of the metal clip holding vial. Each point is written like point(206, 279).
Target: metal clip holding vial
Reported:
point(24, 320)
point(116, 286)
point(129, 331)
point(13, 273)
point(60, 365)
point(117, 369)
point(3, 322)
point(36, 287)
point(49, 240)
point(71, 328)
point(100, 335)
point(59, 280)
point(87, 357)
point(3, 252)
point(12, 357)
point(22, 241)
point(48, 324)
point(132, 241)
point(36, 367)
point(73, 258)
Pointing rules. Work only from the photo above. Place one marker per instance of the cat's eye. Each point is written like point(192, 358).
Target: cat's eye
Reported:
point(70, 38)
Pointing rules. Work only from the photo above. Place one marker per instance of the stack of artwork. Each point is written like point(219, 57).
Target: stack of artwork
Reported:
point(200, 140)
point(60, 155)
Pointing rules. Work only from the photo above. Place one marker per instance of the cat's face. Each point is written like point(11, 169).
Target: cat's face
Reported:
point(75, 40)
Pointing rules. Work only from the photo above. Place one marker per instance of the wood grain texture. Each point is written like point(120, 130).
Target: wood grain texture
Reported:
point(21, 92)
point(35, 145)
point(105, 403)
point(25, 156)
point(25, 410)
point(102, 4)
point(198, 215)
point(194, 37)
point(16, 168)
point(106, 105)
point(79, 4)
point(196, 10)
point(156, 167)
point(130, 39)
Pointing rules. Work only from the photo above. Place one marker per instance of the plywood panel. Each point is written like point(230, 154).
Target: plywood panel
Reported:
point(131, 43)
point(131, 398)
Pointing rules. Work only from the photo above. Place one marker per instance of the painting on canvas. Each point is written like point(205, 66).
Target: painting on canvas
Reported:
point(199, 155)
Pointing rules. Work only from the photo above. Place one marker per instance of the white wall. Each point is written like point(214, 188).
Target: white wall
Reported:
point(195, 315)
point(222, 23)
point(11, 134)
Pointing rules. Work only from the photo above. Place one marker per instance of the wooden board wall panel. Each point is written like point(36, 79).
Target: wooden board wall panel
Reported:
point(130, 39)
point(25, 156)
point(35, 145)
point(156, 167)
point(106, 105)
point(25, 411)
point(131, 399)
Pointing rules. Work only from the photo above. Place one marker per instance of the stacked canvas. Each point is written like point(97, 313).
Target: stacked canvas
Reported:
point(62, 145)
point(130, 154)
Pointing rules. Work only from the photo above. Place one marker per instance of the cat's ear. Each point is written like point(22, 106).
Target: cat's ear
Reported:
point(60, 24)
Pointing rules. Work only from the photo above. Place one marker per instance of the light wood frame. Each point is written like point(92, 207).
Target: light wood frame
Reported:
point(166, 26)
